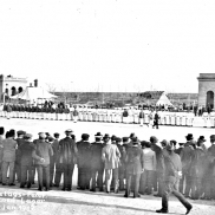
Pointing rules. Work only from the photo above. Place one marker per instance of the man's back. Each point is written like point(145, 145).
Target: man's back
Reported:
point(67, 150)
point(149, 159)
point(9, 150)
point(111, 154)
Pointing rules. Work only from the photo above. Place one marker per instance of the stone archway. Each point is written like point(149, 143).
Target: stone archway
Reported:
point(210, 99)
point(13, 91)
point(20, 89)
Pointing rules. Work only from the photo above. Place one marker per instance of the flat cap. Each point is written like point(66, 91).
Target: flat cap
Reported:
point(69, 131)
point(28, 136)
point(212, 136)
point(165, 142)
point(98, 134)
point(85, 136)
point(20, 132)
point(125, 139)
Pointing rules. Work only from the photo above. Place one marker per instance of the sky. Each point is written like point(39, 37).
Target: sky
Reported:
point(108, 45)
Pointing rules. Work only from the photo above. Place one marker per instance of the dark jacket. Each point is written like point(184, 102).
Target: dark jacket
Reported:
point(134, 160)
point(172, 165)
point(55, 147)
point(26, 149)
point(68, 151)
point(186, 158)
point(19, 141)
point(96, 153)
point(159, 154)
point(84, 154)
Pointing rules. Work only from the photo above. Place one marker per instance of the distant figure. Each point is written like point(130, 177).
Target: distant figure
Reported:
point(141, 117)
point(156, 120)
point(195, 110)
point(75, 115)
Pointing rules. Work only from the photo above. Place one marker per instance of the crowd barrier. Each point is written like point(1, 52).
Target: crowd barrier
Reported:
point(169, 118)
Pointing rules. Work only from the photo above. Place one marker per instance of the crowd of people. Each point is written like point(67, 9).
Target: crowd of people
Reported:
point(110, 164)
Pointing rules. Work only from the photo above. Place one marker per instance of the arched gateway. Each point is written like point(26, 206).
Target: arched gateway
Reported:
point(206, 90)
point(210, 99)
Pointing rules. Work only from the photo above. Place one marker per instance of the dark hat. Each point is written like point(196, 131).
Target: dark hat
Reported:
point(189, 136)
point(212, 136)
point(146, 144)
point(20, 132)
point(85, 136)
point(113, 138)
point(12, 132)
point(50, 139)
point(118, 140)
point(56, 134)
point(69, 131)
point(47, 134)
point(132, 135)
point(153, 139)
point(106, 136)
point(98, 134)
point(165, 142)
point(134, 139)
point(125, 139)
point(1, 130)
point(28, 136)
point(173, 141)
point(202, 138)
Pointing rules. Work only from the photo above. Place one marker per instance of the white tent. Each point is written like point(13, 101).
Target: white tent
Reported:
point(163, 100)
point(33, 94)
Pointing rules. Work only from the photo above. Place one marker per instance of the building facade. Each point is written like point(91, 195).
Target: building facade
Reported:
point(10, 86)
point(206, 90)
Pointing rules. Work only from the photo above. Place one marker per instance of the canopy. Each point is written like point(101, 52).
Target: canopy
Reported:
point(33, 94)
point(163, 100)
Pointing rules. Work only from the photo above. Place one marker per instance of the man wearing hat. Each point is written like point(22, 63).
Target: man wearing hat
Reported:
point(42, 155)
point(210, 173)
point(110, 156)
point(57, 166)
point(84, 162)
point(19, 140)
point(75, 115)
point(8, 157)
point(186, 160)
point(68, 153)
point(197, 170)
point(158, 177)
point(97, 165)
point(50, 140)
point(172, 169)
point(134, 165)
point(26, 161)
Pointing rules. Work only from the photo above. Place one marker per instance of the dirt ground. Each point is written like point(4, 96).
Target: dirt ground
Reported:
point(57, 202)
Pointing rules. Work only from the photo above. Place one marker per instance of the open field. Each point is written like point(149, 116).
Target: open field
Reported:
point(81, 203)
